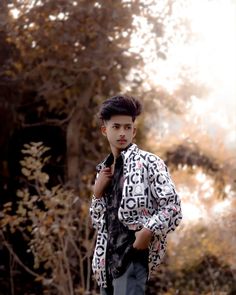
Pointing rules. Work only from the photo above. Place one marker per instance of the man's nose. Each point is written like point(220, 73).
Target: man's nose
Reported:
point(122, 133)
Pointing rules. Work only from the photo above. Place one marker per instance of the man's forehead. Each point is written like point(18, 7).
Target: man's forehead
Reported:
point(121, 120)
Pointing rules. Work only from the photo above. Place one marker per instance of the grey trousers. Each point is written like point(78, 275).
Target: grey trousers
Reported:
point(132, 282)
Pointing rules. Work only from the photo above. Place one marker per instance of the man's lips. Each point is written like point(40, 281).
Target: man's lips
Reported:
point(122, 140)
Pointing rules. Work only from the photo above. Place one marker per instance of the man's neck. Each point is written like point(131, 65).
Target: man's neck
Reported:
point(116, 153)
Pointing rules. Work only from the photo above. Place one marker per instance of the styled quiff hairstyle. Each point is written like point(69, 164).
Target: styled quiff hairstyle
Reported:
point(120, 105)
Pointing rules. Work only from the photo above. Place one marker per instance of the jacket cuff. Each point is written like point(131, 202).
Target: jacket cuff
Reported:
point(98, 204)
point(155, 226)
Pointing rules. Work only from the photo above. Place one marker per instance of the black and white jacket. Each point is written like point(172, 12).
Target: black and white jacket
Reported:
point(148, 200)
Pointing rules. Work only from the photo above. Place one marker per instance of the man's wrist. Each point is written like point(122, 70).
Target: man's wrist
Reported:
point(147, 231)
point(97, 196)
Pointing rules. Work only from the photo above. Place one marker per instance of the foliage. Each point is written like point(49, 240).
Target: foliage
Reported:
point(55, 225)
point(200, 259)
point(70, 55)
point(67, 49)
point(201, 253)
point(203, 265)
point(206, 277)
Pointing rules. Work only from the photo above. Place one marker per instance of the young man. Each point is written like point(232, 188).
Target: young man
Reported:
point(134, 205)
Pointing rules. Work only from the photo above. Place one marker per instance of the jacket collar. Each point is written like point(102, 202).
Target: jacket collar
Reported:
point(125, 154)
point(131, 149)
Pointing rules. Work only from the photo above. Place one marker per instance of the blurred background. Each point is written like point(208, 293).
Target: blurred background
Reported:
point(59, 59)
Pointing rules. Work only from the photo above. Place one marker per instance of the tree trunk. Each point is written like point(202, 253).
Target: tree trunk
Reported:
point(73, 156)
point(74, 134)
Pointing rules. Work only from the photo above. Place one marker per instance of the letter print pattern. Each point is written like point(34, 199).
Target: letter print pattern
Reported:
point(148, 200)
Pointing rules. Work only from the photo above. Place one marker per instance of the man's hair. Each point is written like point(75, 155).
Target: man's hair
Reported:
point(120, 105)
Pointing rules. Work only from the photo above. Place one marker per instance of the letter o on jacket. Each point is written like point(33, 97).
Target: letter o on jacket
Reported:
point(130, 203)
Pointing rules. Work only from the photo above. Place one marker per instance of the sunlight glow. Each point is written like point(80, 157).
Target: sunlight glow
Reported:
point(206, 185)
point(15, 13)
point(211, 53)
point(59, 16)
point(192, 212)
point(206, 58)
point(28, 4)
point(192, 207)
point(221, 207)
point(217, 49)
point(199, 202)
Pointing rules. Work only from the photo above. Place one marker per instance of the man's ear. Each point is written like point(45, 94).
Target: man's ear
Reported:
point(104, 130)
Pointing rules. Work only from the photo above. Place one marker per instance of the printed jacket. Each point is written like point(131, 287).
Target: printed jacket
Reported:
point(148, 200)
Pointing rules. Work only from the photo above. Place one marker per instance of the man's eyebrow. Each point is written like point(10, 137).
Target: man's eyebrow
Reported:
point(126, 124)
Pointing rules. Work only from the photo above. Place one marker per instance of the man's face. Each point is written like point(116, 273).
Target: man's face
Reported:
point(119, 131)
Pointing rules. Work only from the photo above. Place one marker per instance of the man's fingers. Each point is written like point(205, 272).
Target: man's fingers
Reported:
point(108, 175)
point(106, 172)
point(105, 175)
point(106, 169)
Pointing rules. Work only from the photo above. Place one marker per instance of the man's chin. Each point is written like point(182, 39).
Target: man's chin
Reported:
point(123, 146)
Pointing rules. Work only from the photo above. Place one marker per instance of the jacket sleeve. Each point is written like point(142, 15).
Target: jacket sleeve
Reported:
point(169, 212)
point(97, 211)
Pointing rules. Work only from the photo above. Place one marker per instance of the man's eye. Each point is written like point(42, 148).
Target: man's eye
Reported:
point(128, 127)
point(115, 127)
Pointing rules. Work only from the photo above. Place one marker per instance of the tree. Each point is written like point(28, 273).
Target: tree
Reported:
point(72, 54)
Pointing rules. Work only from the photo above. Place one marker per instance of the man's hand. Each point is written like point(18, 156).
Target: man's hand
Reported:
point(143, 238)
point(102, 182)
